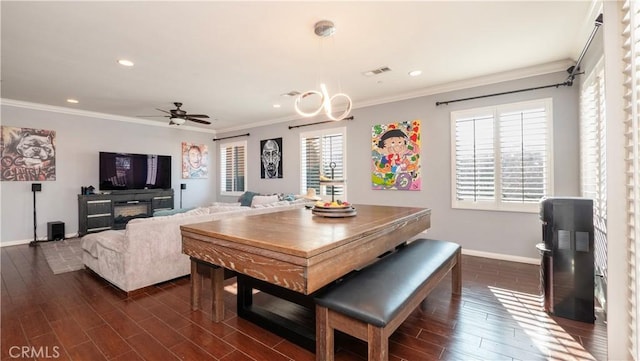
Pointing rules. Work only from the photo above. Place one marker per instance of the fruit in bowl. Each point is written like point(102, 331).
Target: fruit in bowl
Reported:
point(335, 204)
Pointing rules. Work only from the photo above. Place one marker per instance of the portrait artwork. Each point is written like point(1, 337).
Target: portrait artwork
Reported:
point(28, 154)
point(195, 161)
point(271, 158)
point(395, 153)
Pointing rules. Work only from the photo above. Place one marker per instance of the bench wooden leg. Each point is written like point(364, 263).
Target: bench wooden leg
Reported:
point(378, 344)
point(324, 335)
point(456, 275)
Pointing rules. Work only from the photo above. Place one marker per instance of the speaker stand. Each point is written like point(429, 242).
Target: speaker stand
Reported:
point(35, 224)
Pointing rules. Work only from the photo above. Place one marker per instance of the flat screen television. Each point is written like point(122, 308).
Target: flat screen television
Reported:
point(123, 171)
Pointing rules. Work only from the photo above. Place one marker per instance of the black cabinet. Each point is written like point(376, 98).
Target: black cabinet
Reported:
point(99, 212)
point(567, 265)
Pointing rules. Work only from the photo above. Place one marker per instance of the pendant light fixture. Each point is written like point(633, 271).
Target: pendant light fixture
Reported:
point(323, 29)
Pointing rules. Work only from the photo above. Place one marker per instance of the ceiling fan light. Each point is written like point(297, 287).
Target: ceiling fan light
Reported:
point(178, 121)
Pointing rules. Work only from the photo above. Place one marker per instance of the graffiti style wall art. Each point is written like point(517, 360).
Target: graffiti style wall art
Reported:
point(395, 153)
point(195, 160)
point(27, 154)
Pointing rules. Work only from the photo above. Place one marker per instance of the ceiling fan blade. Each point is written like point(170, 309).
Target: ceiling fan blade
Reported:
point(152, 116)
point(197, 115)
point(198, 120)
point(164, 111)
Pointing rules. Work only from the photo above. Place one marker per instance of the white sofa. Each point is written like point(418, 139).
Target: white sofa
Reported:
point(149, 250)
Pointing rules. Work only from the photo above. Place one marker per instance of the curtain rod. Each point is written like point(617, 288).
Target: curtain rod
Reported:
point(322, 122)
point(233, 136)
point(572, 70)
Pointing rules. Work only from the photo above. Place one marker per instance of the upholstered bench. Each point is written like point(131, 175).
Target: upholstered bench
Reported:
point(373, 302)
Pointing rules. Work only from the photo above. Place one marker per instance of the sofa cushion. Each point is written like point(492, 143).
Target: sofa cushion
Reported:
point(259, 200)
point(111, 239)
point(191, 212)
point(272, 204)
point(222, 209)
point(225, 204)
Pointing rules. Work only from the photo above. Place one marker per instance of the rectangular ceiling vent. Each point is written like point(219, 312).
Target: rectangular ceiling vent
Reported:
point(378, 71)
point(293, 93)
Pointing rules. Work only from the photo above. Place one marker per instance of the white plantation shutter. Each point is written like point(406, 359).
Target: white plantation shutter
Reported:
point(475, 161)
point(318, 151)
point(502, 156)
point(233, 168)
point(523, 155)
point(593, 181)
point(631, 59)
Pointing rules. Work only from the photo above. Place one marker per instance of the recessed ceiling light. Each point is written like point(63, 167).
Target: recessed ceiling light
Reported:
point(415, 72)
point(276, 105)
point(72, 101)
point(125, 62)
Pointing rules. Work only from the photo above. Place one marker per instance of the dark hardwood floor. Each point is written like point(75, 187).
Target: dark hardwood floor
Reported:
point(77, 316)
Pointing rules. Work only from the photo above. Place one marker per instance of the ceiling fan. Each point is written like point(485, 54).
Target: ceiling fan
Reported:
point(178, 116)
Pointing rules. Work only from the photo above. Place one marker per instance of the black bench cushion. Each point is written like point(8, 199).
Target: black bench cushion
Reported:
point(378, 292)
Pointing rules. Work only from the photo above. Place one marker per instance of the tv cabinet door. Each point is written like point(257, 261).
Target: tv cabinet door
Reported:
point(95, 215)
point(162, 202)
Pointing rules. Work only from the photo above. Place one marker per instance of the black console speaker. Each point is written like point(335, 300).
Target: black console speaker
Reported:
point(55, 231)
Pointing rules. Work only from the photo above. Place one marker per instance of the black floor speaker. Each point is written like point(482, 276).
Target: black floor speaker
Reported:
point(55, 231)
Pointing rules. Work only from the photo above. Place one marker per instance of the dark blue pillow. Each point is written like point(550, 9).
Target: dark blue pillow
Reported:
point(246, 198)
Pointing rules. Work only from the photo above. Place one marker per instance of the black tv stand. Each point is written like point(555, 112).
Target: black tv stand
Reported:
point(113, 209)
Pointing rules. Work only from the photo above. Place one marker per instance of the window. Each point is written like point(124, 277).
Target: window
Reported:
point(631, 59)
point(319, 151)
point(593, 177)
point(501, 156)
point(233, 168)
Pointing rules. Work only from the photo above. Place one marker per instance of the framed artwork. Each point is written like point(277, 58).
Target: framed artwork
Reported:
point(195, 161)
point(28, 154)
point(395, 156)
point(271, 158)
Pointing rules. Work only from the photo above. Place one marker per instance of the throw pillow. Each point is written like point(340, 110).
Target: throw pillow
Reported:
point(257, 200)
point(246, 198)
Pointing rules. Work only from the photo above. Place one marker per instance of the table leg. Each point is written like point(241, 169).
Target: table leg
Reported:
point(196, 285)
point(217, 288)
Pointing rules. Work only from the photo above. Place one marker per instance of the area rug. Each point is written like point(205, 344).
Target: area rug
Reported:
point(63, 256)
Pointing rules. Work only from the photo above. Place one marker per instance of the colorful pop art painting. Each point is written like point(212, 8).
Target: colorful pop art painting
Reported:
point(395, 156)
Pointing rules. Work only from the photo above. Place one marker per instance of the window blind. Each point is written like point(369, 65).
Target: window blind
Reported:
point(475, 161)
point(502, 156)
point(631, 83)
point(233, 167)
point(593, 180)
point(523, 155)
point(318, 152)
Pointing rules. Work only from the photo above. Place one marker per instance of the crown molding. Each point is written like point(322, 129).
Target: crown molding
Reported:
point(516, 74)
point(542, 69)
point(95, 115)
point(501, 77)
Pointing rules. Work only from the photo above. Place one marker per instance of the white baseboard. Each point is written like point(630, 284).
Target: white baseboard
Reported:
point(27, 241)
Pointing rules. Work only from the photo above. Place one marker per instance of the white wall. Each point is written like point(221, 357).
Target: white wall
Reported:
point(505, 233)
point(78, 140)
